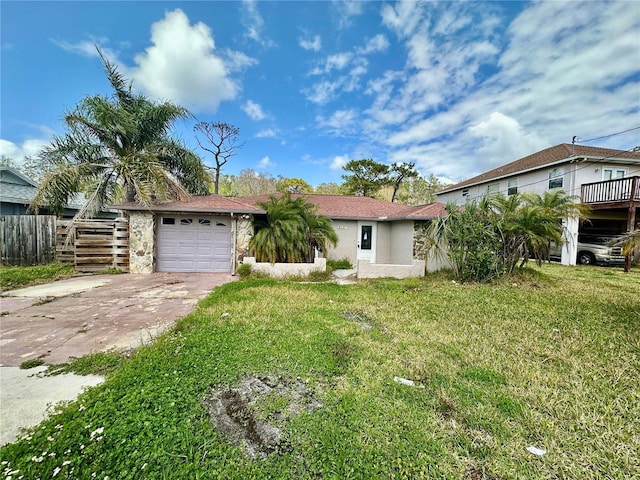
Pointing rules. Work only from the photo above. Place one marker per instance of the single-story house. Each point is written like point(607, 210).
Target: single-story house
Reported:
point(212, 233)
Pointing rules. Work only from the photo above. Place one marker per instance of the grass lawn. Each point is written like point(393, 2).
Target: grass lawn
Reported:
point(550, 360)
point(18, 277)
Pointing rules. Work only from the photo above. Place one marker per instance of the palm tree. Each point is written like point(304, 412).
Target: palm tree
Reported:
point(629, 242)
point(118, 148)
point(489, 238)
point(291, 231)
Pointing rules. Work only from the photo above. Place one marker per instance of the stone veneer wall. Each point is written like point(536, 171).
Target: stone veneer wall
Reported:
point(243, 236)
point(141, 242)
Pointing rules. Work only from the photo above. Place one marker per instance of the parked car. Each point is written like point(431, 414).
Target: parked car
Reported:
point(592, 250)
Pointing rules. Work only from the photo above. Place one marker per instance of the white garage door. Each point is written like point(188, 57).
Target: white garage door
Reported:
point(193, 244)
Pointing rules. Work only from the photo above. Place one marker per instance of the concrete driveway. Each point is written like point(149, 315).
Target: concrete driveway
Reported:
point(73, 317)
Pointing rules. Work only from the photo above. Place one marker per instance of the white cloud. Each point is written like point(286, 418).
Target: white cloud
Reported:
point(322, 92)
point(254, 110)
point(17, 152)
point(182, 65)
point(338, 162)
point(314, 44)
point(379, 43)
point(504, 139)
point(340, 122)
point(254, 24)
point(267, 133)
point(88, 48)
point(345, 10)
point(265, 163)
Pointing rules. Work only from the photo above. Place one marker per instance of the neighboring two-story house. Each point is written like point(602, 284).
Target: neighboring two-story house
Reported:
point(607, 180)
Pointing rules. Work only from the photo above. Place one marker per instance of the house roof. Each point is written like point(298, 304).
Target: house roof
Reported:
point(333, 206)
point(198, 203)
point(562, 153)
point(16, 187)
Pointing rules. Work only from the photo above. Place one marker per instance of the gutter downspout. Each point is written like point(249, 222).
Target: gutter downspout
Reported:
point(234, 232)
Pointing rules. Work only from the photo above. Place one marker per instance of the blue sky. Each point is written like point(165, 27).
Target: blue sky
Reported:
point(457, 87)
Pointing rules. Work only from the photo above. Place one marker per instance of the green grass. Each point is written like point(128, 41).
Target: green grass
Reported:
point(18, 277)
point(548, 359)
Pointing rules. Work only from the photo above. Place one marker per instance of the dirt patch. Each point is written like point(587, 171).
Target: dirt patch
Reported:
point(360, 318)
point(253, 414)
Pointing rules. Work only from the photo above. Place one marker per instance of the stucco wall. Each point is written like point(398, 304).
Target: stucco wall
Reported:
point(377, 270)
point(347, 231)
point(283, 270)
point(575, 175)
point(141, 242)
point(383, 242)
point(402, 242)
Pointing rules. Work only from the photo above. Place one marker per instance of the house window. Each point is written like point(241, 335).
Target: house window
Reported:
point(493, 189)
point(556, 178)
point(204, 221)
point(168, 221)
point(613, 173)
point(465, 193)
point(513, 187)
point(186, 221)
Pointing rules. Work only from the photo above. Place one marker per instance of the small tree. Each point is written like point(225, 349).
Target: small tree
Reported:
point(291, 231)
point(398, 172)
point(222, 143)
point(365, 177)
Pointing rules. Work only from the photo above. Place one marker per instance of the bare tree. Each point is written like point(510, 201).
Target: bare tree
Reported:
point(221, 142)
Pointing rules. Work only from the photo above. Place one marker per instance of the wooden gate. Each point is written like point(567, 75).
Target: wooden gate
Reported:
point(95, 244)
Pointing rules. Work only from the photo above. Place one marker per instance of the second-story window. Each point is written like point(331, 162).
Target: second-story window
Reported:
point(556, 178)
point(613, 173)
point(513, 187)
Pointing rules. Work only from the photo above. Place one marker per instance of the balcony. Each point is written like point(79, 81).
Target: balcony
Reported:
point(621, 192)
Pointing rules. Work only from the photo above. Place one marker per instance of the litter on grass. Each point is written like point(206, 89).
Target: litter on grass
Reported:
point(536, 451)
point(406, 381)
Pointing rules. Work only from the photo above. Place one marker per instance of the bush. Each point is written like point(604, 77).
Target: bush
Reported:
point(244, 271)
point(342, 264)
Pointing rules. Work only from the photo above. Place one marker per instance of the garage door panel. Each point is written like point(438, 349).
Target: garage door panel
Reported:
point(191, 244)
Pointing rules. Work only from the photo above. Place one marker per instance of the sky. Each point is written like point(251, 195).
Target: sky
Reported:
point(456, 87)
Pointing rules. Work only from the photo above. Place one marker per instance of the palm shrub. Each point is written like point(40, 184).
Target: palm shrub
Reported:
point(291, 231)
point(118, 148)
point(492, 237)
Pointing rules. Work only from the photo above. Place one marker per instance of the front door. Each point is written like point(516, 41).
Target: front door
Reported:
point(367, 241)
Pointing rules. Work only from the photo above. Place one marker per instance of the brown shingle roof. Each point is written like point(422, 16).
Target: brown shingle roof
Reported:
point(205, 203)
point(564, 151)
point(332, 206)
point(360, 208)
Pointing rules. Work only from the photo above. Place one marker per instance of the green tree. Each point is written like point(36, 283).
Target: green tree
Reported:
point(419, 190)
point(221, 142)
point(329, 189)
point(365, 177)
point(118, 148)
point(292, 185)
point(398, 172)
point(248, 183)
point(291, 231)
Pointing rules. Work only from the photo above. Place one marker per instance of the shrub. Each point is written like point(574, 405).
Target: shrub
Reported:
point(342, 264)
point(244, 271)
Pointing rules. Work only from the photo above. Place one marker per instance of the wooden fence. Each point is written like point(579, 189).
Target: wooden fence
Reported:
point(95, 245)
point(27, 239)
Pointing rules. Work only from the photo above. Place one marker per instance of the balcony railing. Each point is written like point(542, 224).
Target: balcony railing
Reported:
point(620, 190)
